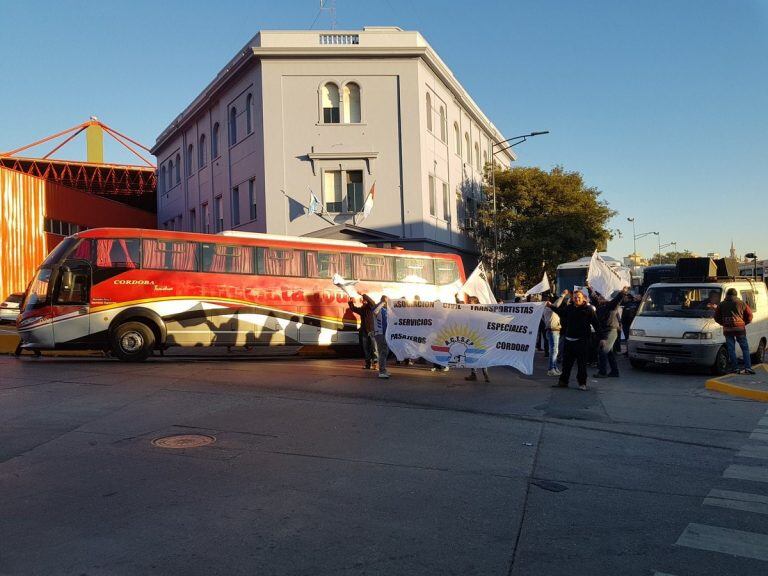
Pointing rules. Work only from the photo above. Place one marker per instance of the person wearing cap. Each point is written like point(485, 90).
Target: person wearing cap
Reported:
point(734, 315)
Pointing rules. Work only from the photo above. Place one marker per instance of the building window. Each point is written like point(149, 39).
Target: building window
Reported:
point(428, 104)
point(351, 103)
point(477, 156)
point(218, 214)
point(457, 137)
point(215, 142)
point(485, 158)
point(206, 218)
point(446, 203)
point(190, 156)
point(161, 181)
point(442, 124)
point(170, 176)
point(201, 159)
point(432, 199)
point(332, 191)
point(252, 198)
point(178, 168)
point(468, 148)
point(355, 198)
point(233, 126)
point(330, 97)
point(236, 206)
point(249, 114)
point(192, 220)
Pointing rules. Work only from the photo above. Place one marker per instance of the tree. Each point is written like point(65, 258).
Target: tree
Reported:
point(670, 257)
point(543, 219)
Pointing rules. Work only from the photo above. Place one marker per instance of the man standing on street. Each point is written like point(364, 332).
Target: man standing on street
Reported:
point(576, 317)
point(609, 320)
point(365, 333)
point(380, 333)
point(734, 315)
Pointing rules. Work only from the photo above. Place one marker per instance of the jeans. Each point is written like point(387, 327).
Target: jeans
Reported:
point(605, 353)
point(368, 344)
point(730, 344)
point(383, 351)
point(554, 348)
point(575, 352)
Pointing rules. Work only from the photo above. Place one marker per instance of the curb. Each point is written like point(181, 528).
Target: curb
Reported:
point(731, 389)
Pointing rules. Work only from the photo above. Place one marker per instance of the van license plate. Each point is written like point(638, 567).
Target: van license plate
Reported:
point(661, 360)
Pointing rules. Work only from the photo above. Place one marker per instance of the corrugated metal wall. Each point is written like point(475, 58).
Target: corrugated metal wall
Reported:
point(22, 235)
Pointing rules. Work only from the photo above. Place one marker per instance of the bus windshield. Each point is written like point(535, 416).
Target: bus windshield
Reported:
point(37, 295)
point(680, 301)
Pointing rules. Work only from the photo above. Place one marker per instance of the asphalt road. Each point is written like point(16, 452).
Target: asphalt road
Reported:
point(319, 468)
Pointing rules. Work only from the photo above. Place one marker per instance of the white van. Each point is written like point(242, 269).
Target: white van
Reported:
point(675, 324)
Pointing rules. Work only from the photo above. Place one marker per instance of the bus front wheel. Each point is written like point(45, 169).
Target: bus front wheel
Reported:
point(133, 341)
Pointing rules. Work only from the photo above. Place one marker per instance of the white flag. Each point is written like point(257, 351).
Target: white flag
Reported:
point(315, 207)
point(602, 278)
point(477, 285)
point(542, 286)
point(347, 285)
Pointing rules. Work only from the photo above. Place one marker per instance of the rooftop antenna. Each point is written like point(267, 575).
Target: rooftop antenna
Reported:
point(330, 7)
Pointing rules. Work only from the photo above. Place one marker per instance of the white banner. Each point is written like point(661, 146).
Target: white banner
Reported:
point(465, 335)
point(602, 278)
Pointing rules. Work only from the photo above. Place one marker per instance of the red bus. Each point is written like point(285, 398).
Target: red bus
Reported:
point(132, 291)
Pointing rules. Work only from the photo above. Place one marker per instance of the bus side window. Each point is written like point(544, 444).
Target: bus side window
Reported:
point(446, 271)
point(283, 262)
point(118, 252)
point(414, 270)
point(227, 259)
point(161, 255)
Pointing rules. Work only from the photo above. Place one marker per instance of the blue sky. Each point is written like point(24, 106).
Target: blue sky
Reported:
point(661, 104)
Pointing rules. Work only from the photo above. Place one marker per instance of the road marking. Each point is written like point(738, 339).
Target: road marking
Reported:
point(753, 451)
point(725, 541)
point(740, 472)
point(738, 501)
point(757, 435)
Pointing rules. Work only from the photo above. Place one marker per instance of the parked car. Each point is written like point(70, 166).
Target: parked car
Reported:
point(9, 309)
point(675, 324)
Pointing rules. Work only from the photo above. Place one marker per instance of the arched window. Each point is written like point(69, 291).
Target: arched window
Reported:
point(468, 148)
point(477, 156)
point(351, 99)
point(161, 180)
point(485, 158)
point(170, 176)
point(201, 159)
point(330, 98)
point(178, 168)
point(249, 114)
point(190, 157)
point(428, 110)
point(232, 126)
point(215, 142)
point(442, 124)
point(457, 135)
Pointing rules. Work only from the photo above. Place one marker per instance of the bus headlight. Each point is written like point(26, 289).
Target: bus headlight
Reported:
point(636, 332)
point(697, 336)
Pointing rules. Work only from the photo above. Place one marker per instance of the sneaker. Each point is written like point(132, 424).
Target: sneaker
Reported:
point(558, 372)
point(583, 387)
point(551, 372)
point(383, 374)
point(748, 371)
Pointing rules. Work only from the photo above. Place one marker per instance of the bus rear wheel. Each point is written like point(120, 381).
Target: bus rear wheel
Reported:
point(133, 341)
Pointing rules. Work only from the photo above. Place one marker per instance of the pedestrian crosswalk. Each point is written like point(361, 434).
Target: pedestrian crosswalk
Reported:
point(754, 473)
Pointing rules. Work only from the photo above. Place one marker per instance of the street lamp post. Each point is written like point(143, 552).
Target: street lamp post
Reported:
point(641, 235)
point(514, 141)
point(634, 240)
point(753, 255)
point(666, 246)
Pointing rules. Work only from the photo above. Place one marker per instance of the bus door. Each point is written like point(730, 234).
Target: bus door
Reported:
point(71, 302)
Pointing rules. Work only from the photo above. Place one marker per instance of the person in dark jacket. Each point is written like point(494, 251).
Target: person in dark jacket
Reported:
point(577, 318)
point(609, 320)
point(365, 332)
point(734, 315)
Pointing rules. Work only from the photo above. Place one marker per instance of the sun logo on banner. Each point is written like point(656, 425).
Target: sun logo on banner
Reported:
point(458, 345)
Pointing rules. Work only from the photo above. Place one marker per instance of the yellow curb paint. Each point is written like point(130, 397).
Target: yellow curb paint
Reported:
point(8, 343)
point(733, 390)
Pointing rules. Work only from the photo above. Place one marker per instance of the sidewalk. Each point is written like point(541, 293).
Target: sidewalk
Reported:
point(747, 386)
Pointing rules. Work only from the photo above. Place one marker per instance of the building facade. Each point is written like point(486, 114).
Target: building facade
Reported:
point(334, 114)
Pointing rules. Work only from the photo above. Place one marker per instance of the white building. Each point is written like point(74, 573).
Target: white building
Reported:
point(332, 112)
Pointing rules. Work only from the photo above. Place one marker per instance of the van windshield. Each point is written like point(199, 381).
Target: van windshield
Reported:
point(680, 302)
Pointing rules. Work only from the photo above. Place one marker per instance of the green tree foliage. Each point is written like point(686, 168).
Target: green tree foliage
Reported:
point(543, 219)
point(670, 257)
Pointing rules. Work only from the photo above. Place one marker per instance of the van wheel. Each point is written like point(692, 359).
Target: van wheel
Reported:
point(133, 341)
point(722, 362)
point(757, 357)
point(637, 364)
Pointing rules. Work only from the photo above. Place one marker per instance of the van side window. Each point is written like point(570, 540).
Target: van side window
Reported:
point(748, 297)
